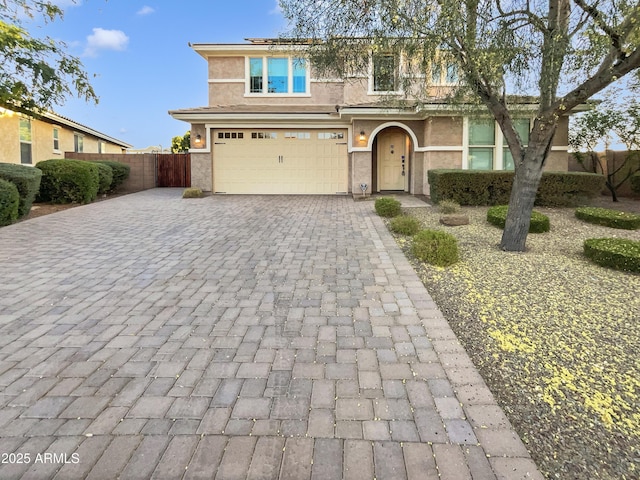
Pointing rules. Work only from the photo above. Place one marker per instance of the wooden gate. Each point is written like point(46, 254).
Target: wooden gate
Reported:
point(173, 169)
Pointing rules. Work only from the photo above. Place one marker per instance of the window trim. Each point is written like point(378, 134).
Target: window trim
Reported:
point(265, 77)
point(78, 142)
point(26, 142)
point(371, 75)
point(56, 139)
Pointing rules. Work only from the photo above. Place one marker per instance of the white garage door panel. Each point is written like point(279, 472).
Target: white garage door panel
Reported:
point(280, 161)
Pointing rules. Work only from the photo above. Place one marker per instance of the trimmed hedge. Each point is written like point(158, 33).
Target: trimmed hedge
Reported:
point(635, 182)
point(404, 225)
point(609, 218)
point(387, 207)
point(488, 187)
point(498, 216)
point(617, 253)
point(435, 247)
point(27, 181)
point(68, 181)
point(120, 172)
point(105, 177)
point(9, 202)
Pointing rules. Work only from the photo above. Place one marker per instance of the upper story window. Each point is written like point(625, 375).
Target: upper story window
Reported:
point(278, 75)
point(487, 148)
point(385, 76)
point(78, 143)
point(444, 74)
point(25, 141)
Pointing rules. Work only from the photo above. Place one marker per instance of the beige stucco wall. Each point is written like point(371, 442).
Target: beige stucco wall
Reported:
point(42, 140)
point(321, 93)
point(361, 162)
point(557, 161)
point(201, 171)
point(226, 67)
point(443, 131)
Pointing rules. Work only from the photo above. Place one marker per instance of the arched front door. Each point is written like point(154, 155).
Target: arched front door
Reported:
point(393, 159)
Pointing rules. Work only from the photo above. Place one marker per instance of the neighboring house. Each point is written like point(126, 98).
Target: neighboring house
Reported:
point(273, 126)
point(29, 140)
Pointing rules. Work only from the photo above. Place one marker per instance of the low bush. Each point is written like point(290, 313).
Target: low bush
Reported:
point(9, 201)
point(448, 207)
point(498, 216)
point(488, 187)
point(435, 247)
point(192, 192)
point(635, 182)
point(404, 225)
point(387, 207)
point(609, 218)
point(120, 172)
point(68, 181)
point(105, 177)
point(27, 181)
point(617, 253)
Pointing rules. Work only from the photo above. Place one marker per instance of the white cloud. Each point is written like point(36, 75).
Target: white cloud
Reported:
point(146, 10)
point(102, 39)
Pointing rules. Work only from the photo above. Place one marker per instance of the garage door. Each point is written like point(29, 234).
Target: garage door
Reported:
point(280, 161)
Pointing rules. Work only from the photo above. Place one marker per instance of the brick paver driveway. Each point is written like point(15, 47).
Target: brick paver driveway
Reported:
point(230, 338)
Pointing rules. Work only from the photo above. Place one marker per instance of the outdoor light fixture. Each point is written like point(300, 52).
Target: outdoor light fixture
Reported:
point(362, 136)
point(198, 138)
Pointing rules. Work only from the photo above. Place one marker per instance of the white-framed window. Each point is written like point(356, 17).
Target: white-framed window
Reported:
point(444, 73)
point(101, 146)
point(56, 140)
point(78, 143)
point(297, 135)
point(487, 148)
point(264, 135)
point(277, 76)
point(26, 139)
point(385, 74)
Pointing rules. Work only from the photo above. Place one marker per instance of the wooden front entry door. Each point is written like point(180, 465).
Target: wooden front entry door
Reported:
point(393, 162)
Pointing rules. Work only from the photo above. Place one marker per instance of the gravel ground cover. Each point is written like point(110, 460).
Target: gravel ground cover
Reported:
point(556, 338)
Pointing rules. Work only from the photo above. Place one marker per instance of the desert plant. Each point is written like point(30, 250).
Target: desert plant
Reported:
point(617, 253)
point(27, 181)
point(68, 181)
point(435, 247)
point(498, 215)
point(609, 218)
point(404, 225)
point(192, 192)
point(448, 207)
point(9, 201)
point(387, 207)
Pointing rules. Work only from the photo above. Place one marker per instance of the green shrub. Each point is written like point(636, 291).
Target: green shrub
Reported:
point(68, 181)
point(387, 207)
point(404, 225)
point(448, 207)
point(27, 181)
point(609, 218)
point(635, 182)
point(617, 253)
point(435, 247)
point(192, 192)
point(120, 172)
point(105, 177)
point(9, 201)
point(486, 187)
point(498, 216)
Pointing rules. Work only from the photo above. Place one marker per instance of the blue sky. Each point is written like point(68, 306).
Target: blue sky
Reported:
point(143, 66)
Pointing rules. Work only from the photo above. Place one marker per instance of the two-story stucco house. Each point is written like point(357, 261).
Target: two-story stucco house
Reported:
point(28, 140)
point(273, 126)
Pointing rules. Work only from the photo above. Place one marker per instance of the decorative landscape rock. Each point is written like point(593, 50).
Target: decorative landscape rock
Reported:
point(454, 220)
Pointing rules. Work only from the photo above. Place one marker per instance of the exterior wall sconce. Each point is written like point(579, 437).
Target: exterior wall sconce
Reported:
point(198, 138)
point(362, 137)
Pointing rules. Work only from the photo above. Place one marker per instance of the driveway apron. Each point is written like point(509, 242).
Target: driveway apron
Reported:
point(233, 337)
